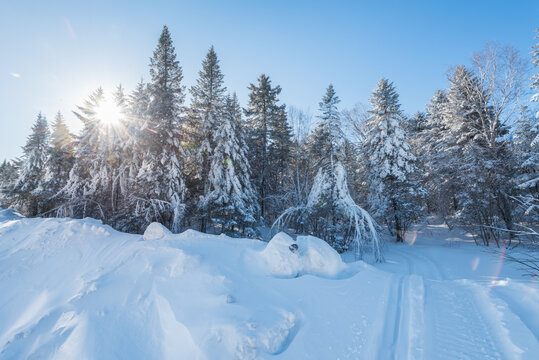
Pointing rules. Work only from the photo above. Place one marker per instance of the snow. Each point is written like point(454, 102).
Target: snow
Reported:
point(279, 257)
point(155, 231)
point(79, 289)
point(318, 258)
point(308, 255)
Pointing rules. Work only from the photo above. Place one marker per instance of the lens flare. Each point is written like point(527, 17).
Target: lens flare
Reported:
point(414, 238)
point(109, 113)
point(499, 270)
point(16, 75)
point(475, 263)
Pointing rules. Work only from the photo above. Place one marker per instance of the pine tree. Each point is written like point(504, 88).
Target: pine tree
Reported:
point(394, 191)
point(138, 128)
point(94, 185)
point(535, 78)
point(231, 200)
point(9, 173)
point(160, 189)
point(262, 113)
point(208, 97)
point(26, 194)
point(477, 163)
point(433, 158)
point(279, 153)
point(526, 152)
point(526, 149)
point(60, 160)
point(328, 138)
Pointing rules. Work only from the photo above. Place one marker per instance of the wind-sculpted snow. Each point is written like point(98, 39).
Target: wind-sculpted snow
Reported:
point(77, 289)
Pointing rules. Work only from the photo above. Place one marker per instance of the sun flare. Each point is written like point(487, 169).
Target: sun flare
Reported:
point(109, 113)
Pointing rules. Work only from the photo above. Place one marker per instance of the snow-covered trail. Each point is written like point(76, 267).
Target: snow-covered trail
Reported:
point(470, 304)
point(77, 289)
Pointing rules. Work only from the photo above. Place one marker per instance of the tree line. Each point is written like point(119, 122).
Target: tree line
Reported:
point(212, 165)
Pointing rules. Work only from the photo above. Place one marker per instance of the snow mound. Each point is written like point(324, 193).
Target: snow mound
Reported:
point(308, 255)
point(280, 256)
point(318, 257)
point(9, 214)
point(155, 231)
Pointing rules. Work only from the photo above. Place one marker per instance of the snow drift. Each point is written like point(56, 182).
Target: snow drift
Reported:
point(77, 289)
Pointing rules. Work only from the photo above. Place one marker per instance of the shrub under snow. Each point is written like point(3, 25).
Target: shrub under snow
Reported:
point(155, 231)
point(308, 255)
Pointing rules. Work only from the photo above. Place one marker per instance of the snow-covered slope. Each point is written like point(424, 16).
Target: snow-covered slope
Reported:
point(77, 289)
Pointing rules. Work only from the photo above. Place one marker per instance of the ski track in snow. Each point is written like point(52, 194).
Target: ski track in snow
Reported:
point(453, 317)
point(78, 289)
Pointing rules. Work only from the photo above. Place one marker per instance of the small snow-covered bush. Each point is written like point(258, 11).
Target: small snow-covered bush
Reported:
point(317, 257)
point(280, 259)
point(308, 255)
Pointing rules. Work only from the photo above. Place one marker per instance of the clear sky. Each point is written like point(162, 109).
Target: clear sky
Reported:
point(54, 53)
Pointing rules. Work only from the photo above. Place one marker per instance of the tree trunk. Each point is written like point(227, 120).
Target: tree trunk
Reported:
point(398, 228)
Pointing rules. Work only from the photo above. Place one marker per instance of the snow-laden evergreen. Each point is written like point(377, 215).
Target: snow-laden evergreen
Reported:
point(94, 185)
point(145, 157)
point(161, 191)
point(478, 165)
point(26, 192)
point(263, 112)
point(535, 78)
point(9, 174)
point(433, 157)
point(205, 113)
point(231, 200)
point(330, 211)
point(59, 162)
point(394, 190)
point(526, 149)
point(279, 157)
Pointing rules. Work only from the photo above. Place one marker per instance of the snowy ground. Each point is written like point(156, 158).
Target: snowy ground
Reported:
point(76, 289)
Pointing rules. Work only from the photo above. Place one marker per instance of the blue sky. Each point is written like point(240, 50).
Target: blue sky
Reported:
point(53, 54)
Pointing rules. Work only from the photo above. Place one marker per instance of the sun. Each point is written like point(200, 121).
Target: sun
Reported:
point(108, 112)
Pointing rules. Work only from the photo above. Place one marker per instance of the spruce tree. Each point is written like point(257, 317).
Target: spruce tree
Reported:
point(328, 138)
point(279, 156)
point(477, 163)
point(526, 149)
point(263, 112)
point(208, 97)
point(526, 152)
point(138, 128)
point(26, 194)
point(535, 78)
point(394, 191)
point(160, 189)
point(433, 158)
point(9, 173)
point(93, 188)
point(231, 200)
point(60, 160)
